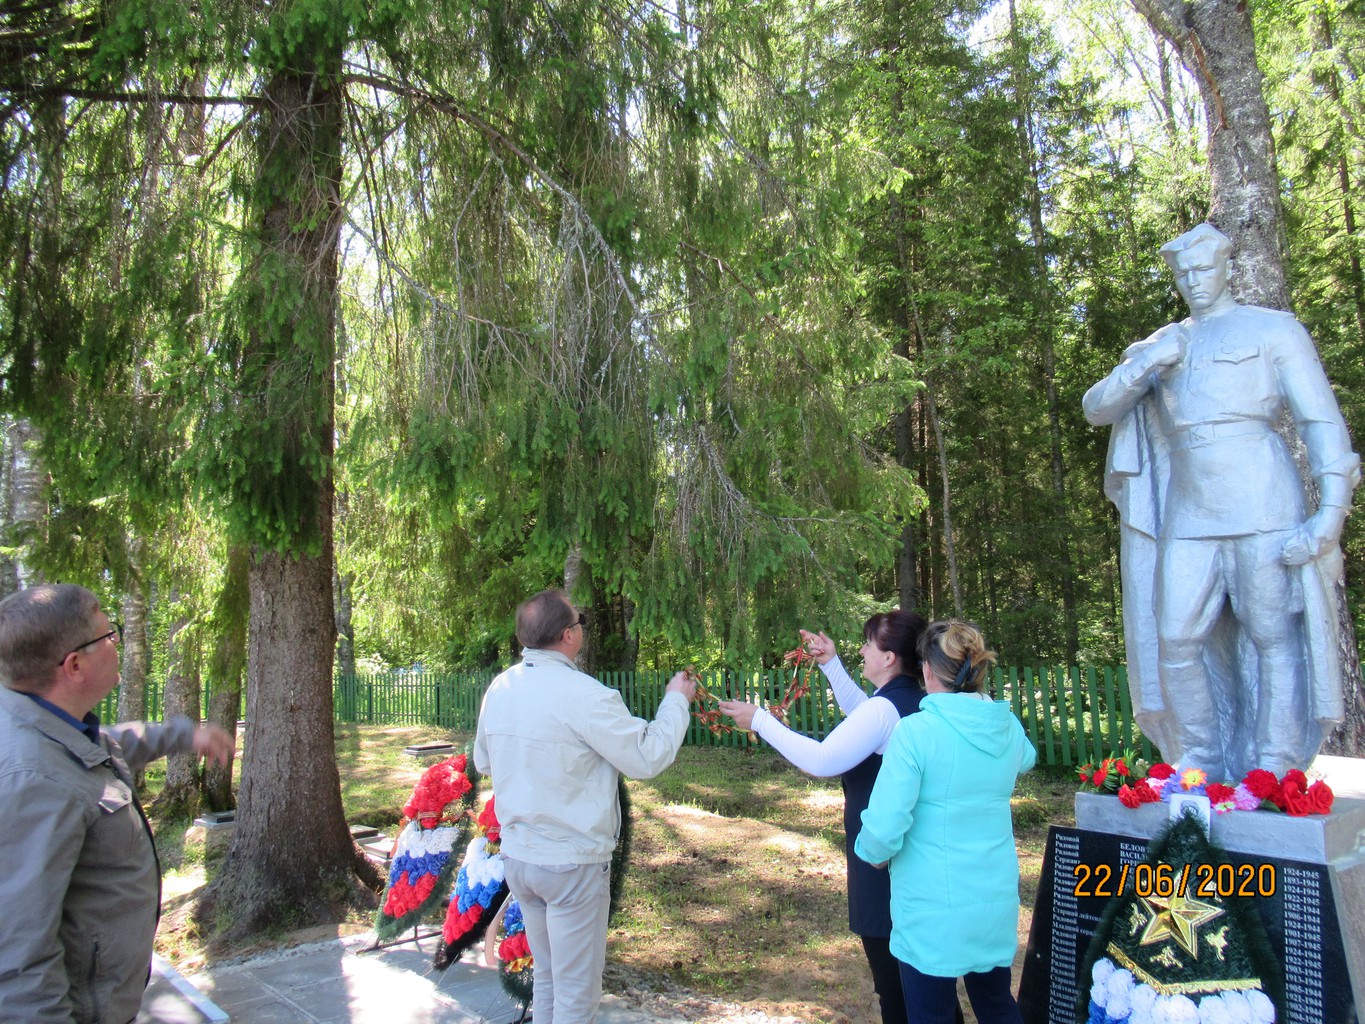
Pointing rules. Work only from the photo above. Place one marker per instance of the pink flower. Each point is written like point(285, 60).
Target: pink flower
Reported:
point(1244, 799)
point(1158, 785)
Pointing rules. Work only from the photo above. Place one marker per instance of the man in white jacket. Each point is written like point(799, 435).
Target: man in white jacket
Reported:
point(554, 741)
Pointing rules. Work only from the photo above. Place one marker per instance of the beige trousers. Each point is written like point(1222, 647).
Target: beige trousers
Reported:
point(565, 910)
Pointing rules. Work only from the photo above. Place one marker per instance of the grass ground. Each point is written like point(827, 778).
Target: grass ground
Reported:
point(736, 888)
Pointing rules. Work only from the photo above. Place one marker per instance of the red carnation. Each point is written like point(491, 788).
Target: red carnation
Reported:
point(1082, 773)
point(1218, 793)
point(1100, 775)
point(1261, 784)
point(1128, 796)
point(514, 947)
point(1160, 770)
point(1121, 767)
point(1145, 792)
point(488, 821)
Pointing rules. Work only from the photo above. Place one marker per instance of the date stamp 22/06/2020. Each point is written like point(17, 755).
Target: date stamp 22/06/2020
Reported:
point(1201, 881)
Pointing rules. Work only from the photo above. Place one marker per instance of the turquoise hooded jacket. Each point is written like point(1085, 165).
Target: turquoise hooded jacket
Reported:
point(940, 814)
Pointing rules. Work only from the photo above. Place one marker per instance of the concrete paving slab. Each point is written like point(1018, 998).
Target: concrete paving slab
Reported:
point(340, 982)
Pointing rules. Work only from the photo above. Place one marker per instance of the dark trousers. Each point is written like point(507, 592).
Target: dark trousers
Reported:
point(932, 1000)
point(886, 978)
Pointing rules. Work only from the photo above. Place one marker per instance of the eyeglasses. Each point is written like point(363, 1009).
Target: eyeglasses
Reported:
point(116, 633)
point(582, 619)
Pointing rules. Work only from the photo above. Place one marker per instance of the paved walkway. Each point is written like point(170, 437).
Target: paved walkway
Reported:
point(335, 982)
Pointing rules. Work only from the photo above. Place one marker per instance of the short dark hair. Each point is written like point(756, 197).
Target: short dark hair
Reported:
point(898, 632)
point(543, 618)
point(37, 627)
point(957, 653)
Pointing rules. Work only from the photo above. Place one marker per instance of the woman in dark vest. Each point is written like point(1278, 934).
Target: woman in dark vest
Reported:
point(853, 750)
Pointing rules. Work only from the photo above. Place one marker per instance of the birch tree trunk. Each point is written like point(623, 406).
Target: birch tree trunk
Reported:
point(28, 488)
point(132, 693)
point(1218, 47)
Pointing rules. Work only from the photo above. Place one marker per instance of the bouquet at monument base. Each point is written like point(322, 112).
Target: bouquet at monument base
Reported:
point(1135, 783)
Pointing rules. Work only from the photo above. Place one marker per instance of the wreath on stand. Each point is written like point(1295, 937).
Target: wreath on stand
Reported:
point(435, 824)
point(482, 907)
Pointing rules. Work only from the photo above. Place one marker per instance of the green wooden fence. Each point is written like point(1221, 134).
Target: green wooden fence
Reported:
point(1072, 715)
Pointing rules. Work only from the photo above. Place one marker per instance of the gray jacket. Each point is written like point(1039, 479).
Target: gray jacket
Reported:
point(80, 885)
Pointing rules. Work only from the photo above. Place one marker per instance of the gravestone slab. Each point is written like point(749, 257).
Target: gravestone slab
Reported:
point(430, 750)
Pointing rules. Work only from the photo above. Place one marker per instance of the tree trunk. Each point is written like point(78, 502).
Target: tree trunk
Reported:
point(225, 668)
point(908, 583)
point(907, 568)
point(9, 570)
point(950, 552)
point(345, 655)
point(28, 487)
point(132, 692)
point(292, 859)
point(180, 798)
point(1218, 47)
point(1026, 130)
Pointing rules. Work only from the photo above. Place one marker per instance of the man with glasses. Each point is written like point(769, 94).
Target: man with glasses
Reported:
point(554, 741)
point(76, 848)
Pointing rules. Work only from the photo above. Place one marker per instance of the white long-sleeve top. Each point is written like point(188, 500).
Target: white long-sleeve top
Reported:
point(865, 730)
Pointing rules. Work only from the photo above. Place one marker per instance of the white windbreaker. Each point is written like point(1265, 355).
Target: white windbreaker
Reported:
point(553, 741)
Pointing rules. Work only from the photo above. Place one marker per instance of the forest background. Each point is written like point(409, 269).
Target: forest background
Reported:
point(332, 329)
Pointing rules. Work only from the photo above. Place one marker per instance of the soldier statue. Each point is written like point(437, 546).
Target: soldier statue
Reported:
point(1230, 608)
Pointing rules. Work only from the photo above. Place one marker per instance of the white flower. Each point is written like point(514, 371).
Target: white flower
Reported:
point(1177, 1010)
point(1119, 993)
point(1213, 1010)
point(1262, 1009)
point(1239, 1010)
point(417, 841)
point(1144, 1005)
point(1099, 974)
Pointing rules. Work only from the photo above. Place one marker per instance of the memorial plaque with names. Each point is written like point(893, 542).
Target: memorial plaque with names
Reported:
point(1299, 916)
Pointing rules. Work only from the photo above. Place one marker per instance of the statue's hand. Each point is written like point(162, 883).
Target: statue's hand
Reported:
point(1165, 348)
point(1314, 538)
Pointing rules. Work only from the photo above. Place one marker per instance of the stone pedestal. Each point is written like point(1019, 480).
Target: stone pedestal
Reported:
point(1314, 917)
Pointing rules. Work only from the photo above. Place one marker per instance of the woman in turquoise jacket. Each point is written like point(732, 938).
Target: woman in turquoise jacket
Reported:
point(940, 816)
